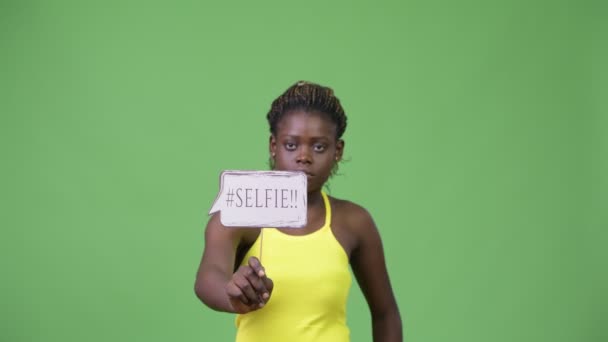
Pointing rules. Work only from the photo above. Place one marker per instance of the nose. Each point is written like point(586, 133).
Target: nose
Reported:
point(304, 156)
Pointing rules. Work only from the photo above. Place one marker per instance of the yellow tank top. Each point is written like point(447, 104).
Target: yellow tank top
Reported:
point(311, 283)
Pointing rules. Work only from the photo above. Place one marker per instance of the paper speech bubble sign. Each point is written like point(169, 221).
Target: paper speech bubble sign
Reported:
point(262, 199)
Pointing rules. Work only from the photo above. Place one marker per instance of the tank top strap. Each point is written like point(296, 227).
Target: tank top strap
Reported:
point(327, 209)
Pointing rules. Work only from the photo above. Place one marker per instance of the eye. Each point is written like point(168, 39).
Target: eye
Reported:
point(319, 147)
point(289, 146)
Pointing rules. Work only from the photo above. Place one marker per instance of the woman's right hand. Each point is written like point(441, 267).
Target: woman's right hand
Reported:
point(250, 288)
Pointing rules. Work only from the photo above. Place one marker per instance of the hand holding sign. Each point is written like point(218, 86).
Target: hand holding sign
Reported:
point(262, 199)
point(249, 289)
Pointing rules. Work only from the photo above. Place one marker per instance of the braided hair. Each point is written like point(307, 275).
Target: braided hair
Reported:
point(310, 97)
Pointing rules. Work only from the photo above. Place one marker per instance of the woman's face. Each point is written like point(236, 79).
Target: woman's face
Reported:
point(306, 141)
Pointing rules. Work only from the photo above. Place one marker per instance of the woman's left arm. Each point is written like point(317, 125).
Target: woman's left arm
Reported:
point(369, 267)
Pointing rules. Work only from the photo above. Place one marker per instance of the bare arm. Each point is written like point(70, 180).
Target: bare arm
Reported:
point(217, 284)
point(369, 267)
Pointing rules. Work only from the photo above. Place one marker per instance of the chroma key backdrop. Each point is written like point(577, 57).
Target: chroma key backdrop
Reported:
point(477, 138)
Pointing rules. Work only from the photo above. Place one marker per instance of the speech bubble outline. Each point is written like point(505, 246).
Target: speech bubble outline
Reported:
point(254, 199)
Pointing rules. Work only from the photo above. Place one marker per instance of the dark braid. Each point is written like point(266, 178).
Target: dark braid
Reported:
point(310, 97)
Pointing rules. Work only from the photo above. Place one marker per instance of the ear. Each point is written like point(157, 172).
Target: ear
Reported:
point(272, 145)
point(339, 149)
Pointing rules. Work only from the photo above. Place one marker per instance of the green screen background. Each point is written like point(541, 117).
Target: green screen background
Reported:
point(477, 139)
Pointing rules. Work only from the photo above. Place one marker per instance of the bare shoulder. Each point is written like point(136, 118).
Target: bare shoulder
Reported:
point(352, 224)
point(351, 214)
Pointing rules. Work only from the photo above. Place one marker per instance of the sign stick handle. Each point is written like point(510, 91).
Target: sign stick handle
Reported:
point(261, 244)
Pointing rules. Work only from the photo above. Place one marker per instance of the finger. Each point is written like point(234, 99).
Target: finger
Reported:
point(258, 284)
point(247, 290)
point(234, 291)
point(256, 265)
point(255, 279)
point(269, 286)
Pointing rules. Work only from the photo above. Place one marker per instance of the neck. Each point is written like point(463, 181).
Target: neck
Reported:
point(314, 198)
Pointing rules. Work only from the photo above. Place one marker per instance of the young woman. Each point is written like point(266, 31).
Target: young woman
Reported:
point(291, 285)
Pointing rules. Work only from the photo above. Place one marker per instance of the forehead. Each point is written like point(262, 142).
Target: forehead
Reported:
point(306, 123)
